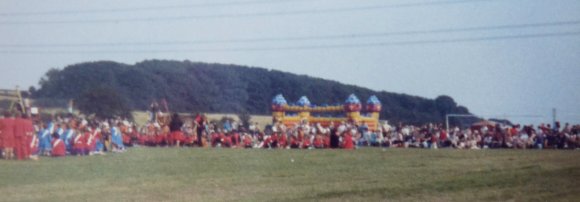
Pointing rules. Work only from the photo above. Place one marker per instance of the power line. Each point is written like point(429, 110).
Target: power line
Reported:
point(304, 38)
point(308, 47)
point(244, 15)
point(149, 8)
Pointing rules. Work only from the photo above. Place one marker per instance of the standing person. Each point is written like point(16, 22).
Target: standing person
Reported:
point(175, 126)
point(154, 109)
point(1, 135)
point(26, 129)
point(7, 131)
point(33, 143)
point(19, 137)
point(199, 122)
point(334, 138)
point(106, 136)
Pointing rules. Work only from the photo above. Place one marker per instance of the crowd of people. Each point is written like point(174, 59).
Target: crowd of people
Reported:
point(21, 138)
point(350, 136)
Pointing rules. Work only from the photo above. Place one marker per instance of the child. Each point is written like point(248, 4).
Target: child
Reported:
point(58, 146)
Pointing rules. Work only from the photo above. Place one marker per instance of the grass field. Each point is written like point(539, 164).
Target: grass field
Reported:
point(187, 174)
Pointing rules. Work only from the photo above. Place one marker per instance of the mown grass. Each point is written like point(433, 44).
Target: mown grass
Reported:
point(186, 174)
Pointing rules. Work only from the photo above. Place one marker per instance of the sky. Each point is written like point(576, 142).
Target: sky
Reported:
point(514, 59)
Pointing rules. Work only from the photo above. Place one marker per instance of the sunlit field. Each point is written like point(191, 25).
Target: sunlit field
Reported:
point(194, 174)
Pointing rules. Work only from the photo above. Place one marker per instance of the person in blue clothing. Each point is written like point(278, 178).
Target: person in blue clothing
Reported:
point(117, 138)
point(67, 136)
point(374, 139)
point(540, 138)
point(45, 139)
point(228, 126)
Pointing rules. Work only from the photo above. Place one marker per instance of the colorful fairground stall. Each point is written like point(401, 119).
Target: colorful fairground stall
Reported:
point(350, 111)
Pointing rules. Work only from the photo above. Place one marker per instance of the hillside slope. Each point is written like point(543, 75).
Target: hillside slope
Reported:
point(219, 88)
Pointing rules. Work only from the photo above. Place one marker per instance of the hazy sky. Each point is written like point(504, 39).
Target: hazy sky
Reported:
point(502, 58)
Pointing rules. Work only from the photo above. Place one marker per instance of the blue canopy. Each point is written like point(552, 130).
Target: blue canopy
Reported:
point(373, 100)
point(279, 100)
point(352, 99)
point(303, 101)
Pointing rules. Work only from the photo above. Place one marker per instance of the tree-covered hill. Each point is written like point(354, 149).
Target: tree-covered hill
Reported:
point(203, 87)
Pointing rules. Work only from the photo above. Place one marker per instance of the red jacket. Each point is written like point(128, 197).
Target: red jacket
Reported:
point(236, 139)
point(282, 141)
point(347, 142)
point(318, 141)
point(80, 141)
point(91, 142)
point(33, 143)
point(247, 140)
point(58, 147)
point(7, 132)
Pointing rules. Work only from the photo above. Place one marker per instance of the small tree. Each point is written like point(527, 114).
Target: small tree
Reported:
point(103, 102)
point(245, 119)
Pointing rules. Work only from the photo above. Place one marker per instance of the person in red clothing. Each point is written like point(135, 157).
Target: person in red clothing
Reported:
point(443, 141)
point(215, 139)
point(92, 137)
point(282, 141)
point(326, 139)
point(188, 140)
point(269, 141)
point(176, 135)
point(227, 139)
point(294, 142)
point(1, 143)
point(160, 138)
point(126, 132)
point(306, 142)
point(236, 139)
point(347, 142)
point(318, 141)
point(274, 140)
point(80, 143)
point(248, 141)
point(1, 136)
point(33, 143)
point(58, 147)
point(7, 131)
point(25, 144)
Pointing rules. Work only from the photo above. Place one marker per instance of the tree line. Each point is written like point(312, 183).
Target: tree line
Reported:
point(217, 88)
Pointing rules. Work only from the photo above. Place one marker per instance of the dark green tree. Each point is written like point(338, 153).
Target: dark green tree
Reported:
point(245, 119)
point(103, 102)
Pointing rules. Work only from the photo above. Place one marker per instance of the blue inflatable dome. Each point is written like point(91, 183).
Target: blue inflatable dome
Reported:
point(279, 100)
point(303, 101)
point(352, 99)
point(373, 100)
